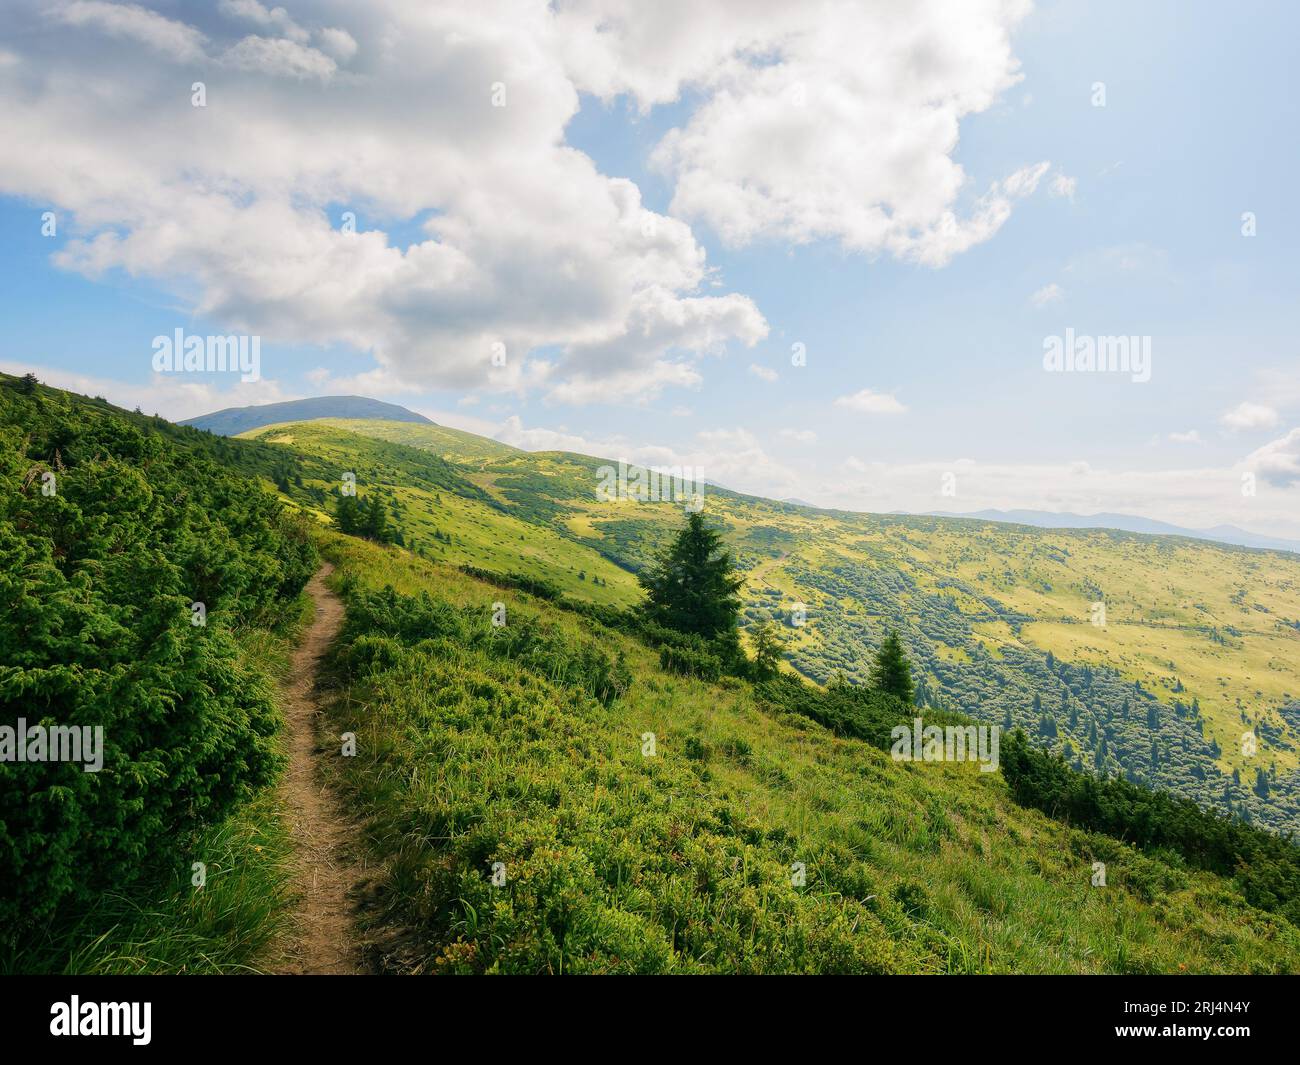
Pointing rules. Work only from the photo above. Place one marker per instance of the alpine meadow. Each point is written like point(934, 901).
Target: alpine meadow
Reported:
point(560, 757)
point(577, 487)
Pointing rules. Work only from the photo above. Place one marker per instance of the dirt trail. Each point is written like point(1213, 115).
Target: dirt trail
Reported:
point(325, 940)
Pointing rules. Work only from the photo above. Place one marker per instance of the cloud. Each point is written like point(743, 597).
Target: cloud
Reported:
point(799, 436)
point(1047, 295)
point(376, 382)
point(1247, 415)
point(513, 432)
point(1063, 185)
point(268, 18)
point(635, 386)
point(279, 57)
point(763, 373)
point(511, 239)
point(827, 120)
point(1278, 462)
point(175, 40)
point(1189, 437)
point(338, 43)
point(869, 402)
point(1194, 497)
point(733, 458)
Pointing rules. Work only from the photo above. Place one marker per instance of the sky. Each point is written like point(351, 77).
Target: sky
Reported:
point(816, 251)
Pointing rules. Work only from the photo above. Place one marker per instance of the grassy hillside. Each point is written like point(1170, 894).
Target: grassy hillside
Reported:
point(480, 745)
point(541, 796)
point(454, 444)
point(1200, 646)
point(443, 511)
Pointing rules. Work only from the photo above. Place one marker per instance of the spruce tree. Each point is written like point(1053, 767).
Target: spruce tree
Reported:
point(345, 515)
point(891, 672)
point(767, 651)
point(375, 520)
point(692, 586)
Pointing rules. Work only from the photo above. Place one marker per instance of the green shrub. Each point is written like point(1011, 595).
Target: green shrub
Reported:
point(848, 709)
point(96, 586)
point(690, 661)
point(536, 586)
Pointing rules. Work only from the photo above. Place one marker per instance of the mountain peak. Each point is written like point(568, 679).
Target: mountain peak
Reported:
point(232, 421)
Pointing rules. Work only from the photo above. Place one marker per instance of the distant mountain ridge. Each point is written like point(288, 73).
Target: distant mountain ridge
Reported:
point(235, 420)
point(232, 421)
point(1047, 519)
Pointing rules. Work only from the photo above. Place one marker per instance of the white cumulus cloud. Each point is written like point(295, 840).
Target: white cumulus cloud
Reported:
point(868, 402)
point(1278, 462)
point(834, 121)
point(174, 40)
point(1247, 415)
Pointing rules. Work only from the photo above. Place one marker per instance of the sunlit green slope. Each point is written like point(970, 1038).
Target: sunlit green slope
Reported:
point(1191, 673)
point(745, 839)
point(441, 512)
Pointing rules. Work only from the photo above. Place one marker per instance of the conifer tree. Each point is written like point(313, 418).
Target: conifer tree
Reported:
point(767, 651)
point(374, 520)
point(891, 672)
point(345, 515)
point(692, 587)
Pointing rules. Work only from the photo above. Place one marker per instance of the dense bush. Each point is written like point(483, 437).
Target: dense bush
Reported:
point(96, 585)
point(1265, 867)
point(848, 709)
point(537, 586)
point(690, 660)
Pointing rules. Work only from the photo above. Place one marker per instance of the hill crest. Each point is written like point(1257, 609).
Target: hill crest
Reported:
point(231, 421)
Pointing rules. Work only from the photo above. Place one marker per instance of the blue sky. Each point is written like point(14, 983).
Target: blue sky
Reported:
point(1132, 227)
